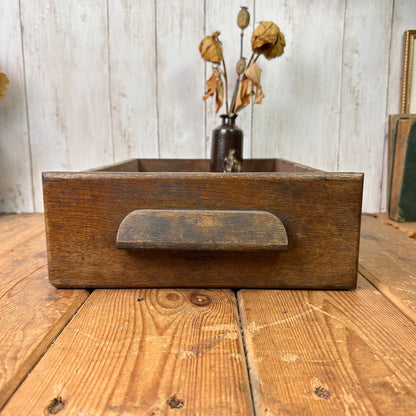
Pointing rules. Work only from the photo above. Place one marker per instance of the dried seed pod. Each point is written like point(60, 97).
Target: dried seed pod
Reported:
point(277, 49)
point(268, 40)
point(3, 82)
point(210, 48)
point(243, 18)
point(241, 66)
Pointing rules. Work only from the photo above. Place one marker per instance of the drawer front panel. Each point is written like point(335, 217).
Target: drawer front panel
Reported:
point(320, 211)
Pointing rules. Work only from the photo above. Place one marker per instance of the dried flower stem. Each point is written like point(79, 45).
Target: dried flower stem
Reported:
point(226, 86)
point(241, 43)
point(237, 84)
point(251, 59)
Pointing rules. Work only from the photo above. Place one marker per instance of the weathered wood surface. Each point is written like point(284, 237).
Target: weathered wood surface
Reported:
point(32, 312)
point(133, 73)
point(304, 129)
point(136, 65)
point(147, 352)
point(16, 188)
point(361, 118)
point(199, 230)
point(67, 78)
point(388, 261)
point(199, 165)
point(320, 211)
point(328, 353)
point(171, 351)
point(180, 78)
point(407, 227)
point(14, 230)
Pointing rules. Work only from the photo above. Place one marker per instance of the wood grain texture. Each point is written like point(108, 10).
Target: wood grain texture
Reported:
point(299, 117)
point(15, 164)
point(148, 352)
point(72, 65)
point(320, 211)
point(323, 352)
point(133, 78)
point(407, 227)
point(363, 97)
point(66, 56)
point(180, 28)
point(222, 17)
point(387, 260)
point(201, 230)
point(32, 312)
point(16, 229)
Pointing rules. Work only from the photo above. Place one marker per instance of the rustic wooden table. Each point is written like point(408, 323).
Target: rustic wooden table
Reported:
point(207, 352)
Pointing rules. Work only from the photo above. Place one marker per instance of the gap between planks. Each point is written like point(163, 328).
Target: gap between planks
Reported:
point(32, 311)
point(147, 351)
point(328, 352)
point(387, 259)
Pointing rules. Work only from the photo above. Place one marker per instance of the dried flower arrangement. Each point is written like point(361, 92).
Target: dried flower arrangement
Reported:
point(3, 82)
point(267, 40)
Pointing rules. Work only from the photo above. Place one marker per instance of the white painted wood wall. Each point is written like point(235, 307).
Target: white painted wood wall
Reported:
point(97, 81)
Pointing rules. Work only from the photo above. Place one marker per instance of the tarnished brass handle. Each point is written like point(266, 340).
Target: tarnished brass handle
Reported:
point(201, 230)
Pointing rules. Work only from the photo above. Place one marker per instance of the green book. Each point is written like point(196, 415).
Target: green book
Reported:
point(402, 206)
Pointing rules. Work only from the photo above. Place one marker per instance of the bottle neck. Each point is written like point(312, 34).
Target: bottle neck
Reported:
point(229, 120)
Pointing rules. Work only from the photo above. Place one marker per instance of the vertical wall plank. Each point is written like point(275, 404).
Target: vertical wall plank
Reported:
point(364, 93)
point(133, 78)
point(66, 56)
point(223, 17)
point(180, 28)
point(299, 118)
point(325, 104)
point(15, 172)
point(404, 18)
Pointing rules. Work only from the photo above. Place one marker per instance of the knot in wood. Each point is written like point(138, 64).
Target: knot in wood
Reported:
point(199, 299)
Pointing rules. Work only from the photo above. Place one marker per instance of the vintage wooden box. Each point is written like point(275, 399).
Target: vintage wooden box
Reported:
point(277, 225)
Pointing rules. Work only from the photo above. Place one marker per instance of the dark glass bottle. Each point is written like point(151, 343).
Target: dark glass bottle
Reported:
point(227, 146)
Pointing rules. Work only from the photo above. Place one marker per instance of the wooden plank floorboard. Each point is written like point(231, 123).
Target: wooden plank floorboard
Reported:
point(21, 262)
point(328, 352)
point(388, 261)
point(407, 227)
point(32, 312)
point(16, 229)
point(145, 352)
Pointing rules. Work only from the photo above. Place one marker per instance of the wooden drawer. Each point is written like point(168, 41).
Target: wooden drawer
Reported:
point(319, 212)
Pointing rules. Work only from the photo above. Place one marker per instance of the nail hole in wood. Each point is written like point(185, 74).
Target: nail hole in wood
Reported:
point(55, 406)
point(175, 402)
point(322, 393)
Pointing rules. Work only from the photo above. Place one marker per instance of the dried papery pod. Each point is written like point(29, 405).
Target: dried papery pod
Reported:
point(210, 48)
point(241, 66)
point(3, 82)
point(277, 49)
point(266, 38)
point(215, 86)
point(219, 94)
point(211, 85)
point(253, 73)
point(244, 93)
point(243, 18)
